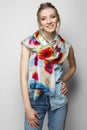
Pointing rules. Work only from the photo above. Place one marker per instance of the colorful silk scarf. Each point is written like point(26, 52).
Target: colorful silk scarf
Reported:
point(41, 65)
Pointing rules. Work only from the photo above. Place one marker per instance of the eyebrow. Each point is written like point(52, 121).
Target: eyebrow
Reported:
point(49, 15)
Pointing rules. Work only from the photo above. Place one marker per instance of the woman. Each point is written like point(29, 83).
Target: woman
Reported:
point(43, 86)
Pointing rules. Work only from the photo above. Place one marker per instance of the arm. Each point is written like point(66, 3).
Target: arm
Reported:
point(25, 54)
point(71, 70)
point(72, 66)
point(31, 114)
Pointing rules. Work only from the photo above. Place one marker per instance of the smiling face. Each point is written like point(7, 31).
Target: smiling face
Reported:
point(48, 20)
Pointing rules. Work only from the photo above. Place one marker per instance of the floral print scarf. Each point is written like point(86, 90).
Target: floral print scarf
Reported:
point(41, 66)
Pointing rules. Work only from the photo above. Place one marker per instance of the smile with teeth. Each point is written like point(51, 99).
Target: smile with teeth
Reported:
point(50, 26)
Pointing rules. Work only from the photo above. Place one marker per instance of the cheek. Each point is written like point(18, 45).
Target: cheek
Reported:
point(42, 23)
point(55, 21)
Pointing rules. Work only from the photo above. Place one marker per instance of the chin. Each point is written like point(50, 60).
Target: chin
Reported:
point(50, 30)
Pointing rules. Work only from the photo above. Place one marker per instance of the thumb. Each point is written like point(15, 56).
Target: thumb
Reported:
point(63, 83)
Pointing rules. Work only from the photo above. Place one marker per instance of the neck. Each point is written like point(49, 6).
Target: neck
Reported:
point(49, 36)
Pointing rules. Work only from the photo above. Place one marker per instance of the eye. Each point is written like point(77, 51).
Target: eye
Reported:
point(42, 19)
point(53, 16)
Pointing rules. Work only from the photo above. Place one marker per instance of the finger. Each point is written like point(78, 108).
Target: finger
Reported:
point(36, 121)
point(33, 123)
point(36, 115)
point(63, 83)
point(63, 88)
point(64, 91)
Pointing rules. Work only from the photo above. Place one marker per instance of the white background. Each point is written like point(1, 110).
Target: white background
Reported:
point(17, 21)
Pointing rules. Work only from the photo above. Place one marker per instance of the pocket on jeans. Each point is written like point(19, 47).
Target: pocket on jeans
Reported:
point(58, 90)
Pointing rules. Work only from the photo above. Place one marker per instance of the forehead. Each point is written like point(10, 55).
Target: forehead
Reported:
point(47, 12)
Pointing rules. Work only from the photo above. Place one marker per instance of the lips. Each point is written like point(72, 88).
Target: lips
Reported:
point(50, 26)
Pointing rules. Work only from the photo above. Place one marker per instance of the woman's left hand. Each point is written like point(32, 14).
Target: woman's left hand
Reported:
point(64, 88)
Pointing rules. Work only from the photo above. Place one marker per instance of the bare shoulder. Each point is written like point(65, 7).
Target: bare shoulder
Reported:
point(25, 51)
point(71, 51)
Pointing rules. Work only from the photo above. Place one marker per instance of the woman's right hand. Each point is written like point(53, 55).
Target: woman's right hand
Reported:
point(32, 117)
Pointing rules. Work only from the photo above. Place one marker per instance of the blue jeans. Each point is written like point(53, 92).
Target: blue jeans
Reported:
point(56, 118)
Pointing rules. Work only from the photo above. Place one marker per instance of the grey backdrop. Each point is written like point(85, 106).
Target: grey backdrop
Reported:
point(17, 21)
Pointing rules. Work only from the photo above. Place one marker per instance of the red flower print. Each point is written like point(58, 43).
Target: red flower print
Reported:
point(48, 67)
point(33, 42)
point(37, 34)
point(35, 76)
point(36, 60)
point(56, 61)
point(45, 53)
point(58, 48)
point(61, 39)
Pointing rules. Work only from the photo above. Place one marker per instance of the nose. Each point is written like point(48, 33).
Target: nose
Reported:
point(48, 20)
